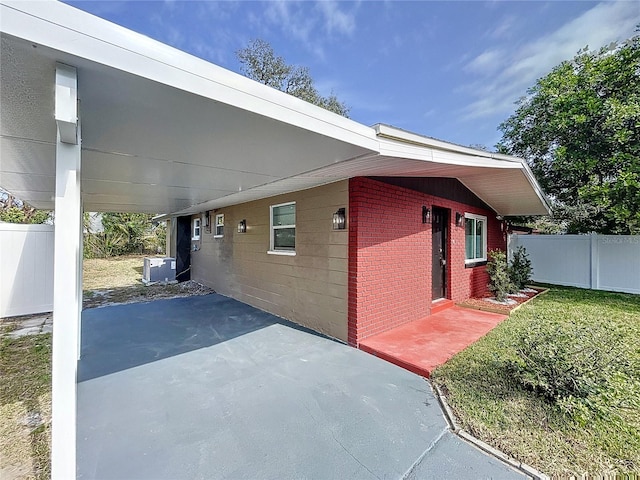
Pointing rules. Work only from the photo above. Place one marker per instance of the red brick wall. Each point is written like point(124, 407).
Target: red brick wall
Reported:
point(390, 256)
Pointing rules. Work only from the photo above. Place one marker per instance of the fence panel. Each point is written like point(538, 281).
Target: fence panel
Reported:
point(600, 262)
point(26, 269)
point(618, 266)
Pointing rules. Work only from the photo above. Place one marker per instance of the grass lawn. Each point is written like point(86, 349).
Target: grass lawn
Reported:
point(25, 407)
point(114, 272)
point(602, 434)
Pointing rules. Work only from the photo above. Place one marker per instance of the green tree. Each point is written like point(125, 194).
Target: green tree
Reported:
point(579, 130)
point(260, 63)
point(124, 233)
point(14, 210)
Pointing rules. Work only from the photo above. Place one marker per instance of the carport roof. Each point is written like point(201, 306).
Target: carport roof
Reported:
point(163, 131)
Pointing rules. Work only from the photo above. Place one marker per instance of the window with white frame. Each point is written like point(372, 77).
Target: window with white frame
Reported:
point(283, 228)
point(196, 229)
point(219, 232)
point(475, 238)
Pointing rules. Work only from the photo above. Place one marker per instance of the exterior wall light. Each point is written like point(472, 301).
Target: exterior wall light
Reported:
point(206, 218)
point(242, 226)
point(340, 219)
point(459, 219)
point(426, 214)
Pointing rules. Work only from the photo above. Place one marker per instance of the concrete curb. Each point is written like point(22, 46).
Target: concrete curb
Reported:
point(503, 457)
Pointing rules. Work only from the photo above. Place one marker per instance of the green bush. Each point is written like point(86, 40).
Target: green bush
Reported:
point(520, 269)
point(24, 215)
point(576, 366)
point(499, 282)
point(124, 233)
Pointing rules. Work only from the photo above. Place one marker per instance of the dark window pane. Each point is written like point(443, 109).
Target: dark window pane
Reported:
point(284, 238)
point(468, 238)
point(479, 239)
point(284, 215)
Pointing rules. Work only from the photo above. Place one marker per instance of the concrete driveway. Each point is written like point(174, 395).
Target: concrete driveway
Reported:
point(207, 387)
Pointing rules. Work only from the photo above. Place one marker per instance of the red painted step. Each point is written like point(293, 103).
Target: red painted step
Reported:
point(440, 305)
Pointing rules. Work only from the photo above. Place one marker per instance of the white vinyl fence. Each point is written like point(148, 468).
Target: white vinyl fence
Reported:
point(26, 269)
point(599, 262)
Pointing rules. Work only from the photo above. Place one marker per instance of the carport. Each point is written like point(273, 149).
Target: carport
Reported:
point(208, 387)
point(96, 117)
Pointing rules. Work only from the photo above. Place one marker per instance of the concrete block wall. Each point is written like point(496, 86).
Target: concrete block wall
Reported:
point(390, 256)
point(309, 288)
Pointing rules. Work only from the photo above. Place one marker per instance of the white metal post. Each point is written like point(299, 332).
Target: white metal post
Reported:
point(67, 284)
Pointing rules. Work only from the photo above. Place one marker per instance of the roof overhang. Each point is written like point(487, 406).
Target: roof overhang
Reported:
point(163, 131)
point(503, 182)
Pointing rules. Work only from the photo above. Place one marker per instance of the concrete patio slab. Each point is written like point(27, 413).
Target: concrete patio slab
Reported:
point(208, 387)
point(422, 345)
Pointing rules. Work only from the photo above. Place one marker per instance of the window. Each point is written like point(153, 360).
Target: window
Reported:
point(283, 229)
point(219, 233)
point(196, 229)
point(475, 238)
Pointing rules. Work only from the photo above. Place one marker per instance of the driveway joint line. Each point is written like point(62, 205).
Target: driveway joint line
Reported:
point(407, 474)
point(353, 456)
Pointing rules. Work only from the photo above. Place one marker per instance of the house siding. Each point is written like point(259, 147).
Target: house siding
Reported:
point(390, 255)
point(309, 288)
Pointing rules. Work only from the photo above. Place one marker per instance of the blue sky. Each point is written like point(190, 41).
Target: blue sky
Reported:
point(450, 70)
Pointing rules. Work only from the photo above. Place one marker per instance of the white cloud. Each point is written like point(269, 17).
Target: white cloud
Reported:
point(312, 24)
point(503, 29)
point(487, 62)
point(503, 73)
point(335, 19)
point(429, 113)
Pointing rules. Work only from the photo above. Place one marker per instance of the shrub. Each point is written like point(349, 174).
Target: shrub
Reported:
point(520, 269)
point(576, 366)
point(499, 281)
point(124, 233)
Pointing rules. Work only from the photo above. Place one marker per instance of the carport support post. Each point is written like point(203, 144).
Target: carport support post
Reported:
point(67, 286)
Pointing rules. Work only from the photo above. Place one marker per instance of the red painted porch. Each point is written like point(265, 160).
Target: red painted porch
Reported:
point(422, 345)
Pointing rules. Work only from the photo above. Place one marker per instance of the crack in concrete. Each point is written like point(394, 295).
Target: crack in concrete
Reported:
point(407, 474)
point(353, 456)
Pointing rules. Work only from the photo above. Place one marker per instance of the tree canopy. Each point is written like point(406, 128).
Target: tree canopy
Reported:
point(260, 63)
point(579, 130)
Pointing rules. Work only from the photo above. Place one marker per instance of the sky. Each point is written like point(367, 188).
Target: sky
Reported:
point(452, 70)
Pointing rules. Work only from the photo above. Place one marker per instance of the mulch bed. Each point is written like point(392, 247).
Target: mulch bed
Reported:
point(518, 300)
point(140, 293)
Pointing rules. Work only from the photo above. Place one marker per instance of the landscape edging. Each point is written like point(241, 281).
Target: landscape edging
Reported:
point(491, 309)
point(503, 457)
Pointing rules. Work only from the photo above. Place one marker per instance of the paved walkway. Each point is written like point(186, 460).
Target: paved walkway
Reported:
point(422, 345)
point(207, 387)
point(29, 325)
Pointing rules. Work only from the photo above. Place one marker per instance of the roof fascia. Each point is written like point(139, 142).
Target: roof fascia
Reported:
point(404, 136)
point(401, 149)
point(536, 187)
